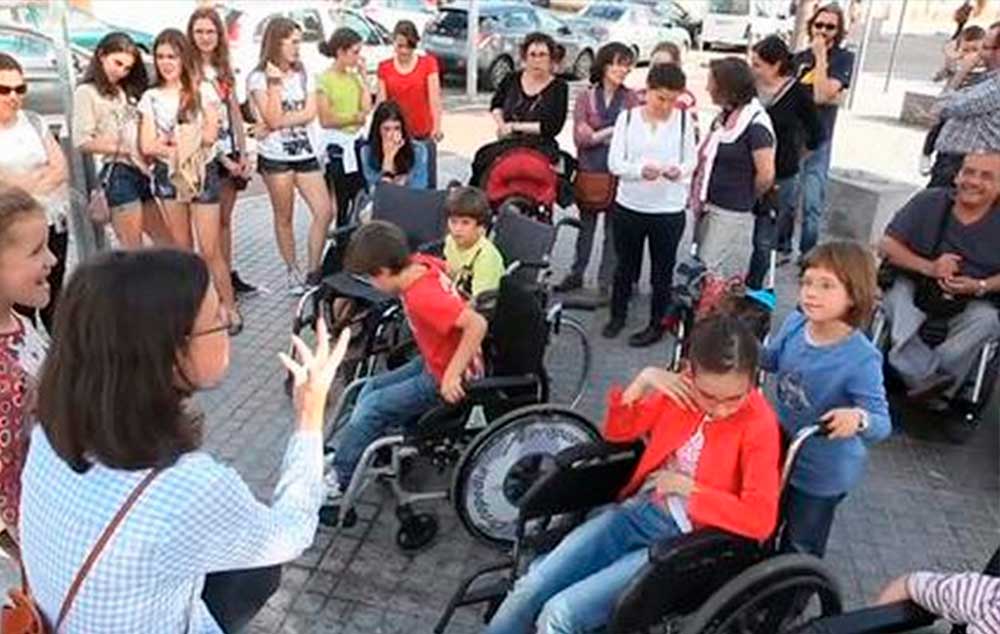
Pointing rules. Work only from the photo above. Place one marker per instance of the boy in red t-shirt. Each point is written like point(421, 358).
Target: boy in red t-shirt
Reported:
point(448, 334)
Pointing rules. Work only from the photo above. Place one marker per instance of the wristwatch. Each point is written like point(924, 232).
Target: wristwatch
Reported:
point(863, 422)
point(981, 288)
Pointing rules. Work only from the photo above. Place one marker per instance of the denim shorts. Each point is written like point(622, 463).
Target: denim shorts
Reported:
point(165, 190)
point(125, 186)
point(271, 166)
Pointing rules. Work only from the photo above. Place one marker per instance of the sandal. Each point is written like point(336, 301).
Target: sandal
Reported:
point(236, 325)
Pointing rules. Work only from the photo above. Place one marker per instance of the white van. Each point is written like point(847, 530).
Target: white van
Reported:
point(739, 23)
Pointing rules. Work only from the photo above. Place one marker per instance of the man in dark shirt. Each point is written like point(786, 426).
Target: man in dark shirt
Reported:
point(950, 237)
point(826, 69)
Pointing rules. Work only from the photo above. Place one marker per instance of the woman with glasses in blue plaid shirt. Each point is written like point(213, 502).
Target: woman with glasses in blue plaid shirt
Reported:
point(140, 332)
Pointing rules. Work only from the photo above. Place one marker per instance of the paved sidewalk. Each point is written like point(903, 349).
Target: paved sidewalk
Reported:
point(924, 505)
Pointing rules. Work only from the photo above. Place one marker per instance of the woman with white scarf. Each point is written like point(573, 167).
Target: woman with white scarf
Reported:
point(735, 167)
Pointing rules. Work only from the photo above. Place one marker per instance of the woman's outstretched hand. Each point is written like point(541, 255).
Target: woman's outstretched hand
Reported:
point(313, 373)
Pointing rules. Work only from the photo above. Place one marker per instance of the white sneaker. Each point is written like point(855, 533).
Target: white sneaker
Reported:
point(926, 164)
point(294, 284)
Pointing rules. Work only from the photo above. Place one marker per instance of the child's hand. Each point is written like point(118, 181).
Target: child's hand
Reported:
point(451, 387)
point(672, 483)
point(843, 422)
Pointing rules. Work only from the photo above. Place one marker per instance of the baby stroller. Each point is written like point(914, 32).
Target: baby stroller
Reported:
point(525, 179)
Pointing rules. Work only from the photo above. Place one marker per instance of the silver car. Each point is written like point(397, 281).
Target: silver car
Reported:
point(36, 52)
point(502, 27)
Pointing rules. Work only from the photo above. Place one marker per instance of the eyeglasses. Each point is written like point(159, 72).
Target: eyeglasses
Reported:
point(20, 89)
point(825, 26)
point(225, 323)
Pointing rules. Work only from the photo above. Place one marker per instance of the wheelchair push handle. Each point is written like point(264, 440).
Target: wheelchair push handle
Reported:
point(794, 447)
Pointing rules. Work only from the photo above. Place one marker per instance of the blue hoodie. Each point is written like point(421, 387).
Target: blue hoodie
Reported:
point(810, 381)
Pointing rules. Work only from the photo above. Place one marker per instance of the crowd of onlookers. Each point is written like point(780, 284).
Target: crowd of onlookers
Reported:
point(113, 471)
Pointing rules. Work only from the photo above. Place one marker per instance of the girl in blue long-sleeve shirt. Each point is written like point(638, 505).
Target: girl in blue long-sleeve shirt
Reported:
point(827, 370)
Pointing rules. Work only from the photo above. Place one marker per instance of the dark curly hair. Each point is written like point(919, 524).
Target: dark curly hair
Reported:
point(606, 56)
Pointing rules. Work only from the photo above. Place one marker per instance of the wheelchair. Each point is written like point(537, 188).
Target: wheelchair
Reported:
point(687, 586)
point(498, 439)
point(967, 406)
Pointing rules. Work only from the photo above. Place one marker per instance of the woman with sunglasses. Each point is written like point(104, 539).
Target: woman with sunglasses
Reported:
point(412, 80)
point(141, 332)
point(32, 160)
point(825, 68)
point(106, 122)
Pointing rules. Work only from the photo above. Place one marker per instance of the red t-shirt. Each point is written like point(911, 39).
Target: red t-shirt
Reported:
point(410, 92)
point(432, 306)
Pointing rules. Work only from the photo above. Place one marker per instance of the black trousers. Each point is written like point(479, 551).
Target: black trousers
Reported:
point(946, 167)
point(632, 231)
point(234, 597)
point(765, 231)
point(345, 187)
point(58, 243)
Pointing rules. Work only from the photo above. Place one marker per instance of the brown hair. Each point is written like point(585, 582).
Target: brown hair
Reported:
point(468, 202)
point(408, 30)
point(722, 343)
point(841, 25)
point(8, 62)
point(278, 29)
point(854, 266)
point(109, 388)
point(375, 246)
point(133, 84)
point(734, 81)
point(556, 50)
point(972, 34)
point(190, 102)
point(670, 48)
point(15, 204)
point(343, 38)
point(220, 56)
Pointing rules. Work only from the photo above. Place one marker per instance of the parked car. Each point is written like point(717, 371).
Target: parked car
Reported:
point(36, 52)
point(633, 24)
point(673, 13)
point(85, 30)
point(740, 23)
point(389, 12)
point(502, 27)
point(245, 29)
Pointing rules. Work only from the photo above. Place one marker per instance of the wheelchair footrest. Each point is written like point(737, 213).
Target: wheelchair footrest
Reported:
point(491, 591)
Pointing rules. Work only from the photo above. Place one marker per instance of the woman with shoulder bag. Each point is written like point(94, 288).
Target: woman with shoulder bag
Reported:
point(594, 188)
point(653, 154)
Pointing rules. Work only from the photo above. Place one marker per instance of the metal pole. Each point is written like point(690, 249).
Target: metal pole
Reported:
point(895, 46)
point(859, 62)
point(86, 236)
point(472, 54)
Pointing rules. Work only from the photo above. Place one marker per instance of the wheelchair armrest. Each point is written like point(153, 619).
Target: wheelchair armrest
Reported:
point(492, 384)
point(705, 560)
point(600, 450)
point(434, 247)
point(338, 234)
point(903, 616)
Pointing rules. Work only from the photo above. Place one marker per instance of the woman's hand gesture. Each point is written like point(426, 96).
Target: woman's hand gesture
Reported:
point(313, 374)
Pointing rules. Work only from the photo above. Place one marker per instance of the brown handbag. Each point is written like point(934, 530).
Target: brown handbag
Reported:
point(594, 191)
point(22, 616)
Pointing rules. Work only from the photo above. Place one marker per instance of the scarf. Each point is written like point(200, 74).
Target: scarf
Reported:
point(752, 112)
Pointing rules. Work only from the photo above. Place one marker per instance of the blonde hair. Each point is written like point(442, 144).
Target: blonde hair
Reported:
point(854, 265)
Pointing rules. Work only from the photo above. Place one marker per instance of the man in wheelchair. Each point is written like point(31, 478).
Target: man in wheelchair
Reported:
point(942, 246)
point(711, 460)
point(447, 332)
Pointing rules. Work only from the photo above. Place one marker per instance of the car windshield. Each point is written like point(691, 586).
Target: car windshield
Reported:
point(608, 12)
point(24, 46)
point(549, 22)
point(454, 22)
point(730, 7)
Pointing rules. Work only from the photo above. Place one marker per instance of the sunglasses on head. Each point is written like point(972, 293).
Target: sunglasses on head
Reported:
point(20, 89)
point(825, 26)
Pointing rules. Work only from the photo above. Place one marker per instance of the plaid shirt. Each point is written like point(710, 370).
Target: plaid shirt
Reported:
point(971, 118)
point(197, 517)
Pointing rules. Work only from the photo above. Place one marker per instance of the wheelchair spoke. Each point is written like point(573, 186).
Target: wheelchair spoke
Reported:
point(567, 362)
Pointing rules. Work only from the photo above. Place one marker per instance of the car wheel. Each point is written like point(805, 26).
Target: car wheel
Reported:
point(581, 67)
point(499, 69)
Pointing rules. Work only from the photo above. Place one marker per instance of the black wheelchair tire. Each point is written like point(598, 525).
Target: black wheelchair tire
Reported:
point(516, 421)
point(779, 574)
point(579, 332)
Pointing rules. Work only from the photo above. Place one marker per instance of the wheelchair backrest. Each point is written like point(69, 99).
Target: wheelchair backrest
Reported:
point(418, 212)
point(586, 477)
point(522, 239)
point(518, 331)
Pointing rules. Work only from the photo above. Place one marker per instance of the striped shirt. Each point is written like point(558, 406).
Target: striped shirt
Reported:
point(971, 118)
point(197, 517)
point(967, 598)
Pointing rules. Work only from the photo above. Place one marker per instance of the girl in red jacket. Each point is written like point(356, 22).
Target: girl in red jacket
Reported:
point(711, 460)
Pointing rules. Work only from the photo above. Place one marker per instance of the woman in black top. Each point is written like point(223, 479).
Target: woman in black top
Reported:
point(529, 106)
point(796, 124)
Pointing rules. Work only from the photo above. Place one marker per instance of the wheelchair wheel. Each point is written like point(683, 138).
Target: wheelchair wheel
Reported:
point(775, 596)
point(504, 460)
point(567, 361)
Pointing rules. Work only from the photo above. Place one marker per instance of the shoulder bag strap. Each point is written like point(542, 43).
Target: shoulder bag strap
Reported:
point(95, 552)
point(628, 124)
point(942, 227)
point(684, 122)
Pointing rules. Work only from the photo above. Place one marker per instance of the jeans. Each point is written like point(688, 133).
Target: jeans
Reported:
point(234, 597)
point(393, 398)
point(575, 587)
point(815, 173)
point(585, 244)
point(808, 519)
point(788, 205)
point(764, 230)
point(632, 230)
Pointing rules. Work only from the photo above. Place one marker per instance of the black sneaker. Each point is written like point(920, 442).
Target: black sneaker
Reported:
point(239, 286)
point(314, 278)
point(613, 328)
point(647, 337)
